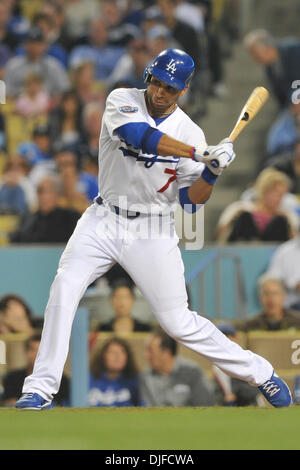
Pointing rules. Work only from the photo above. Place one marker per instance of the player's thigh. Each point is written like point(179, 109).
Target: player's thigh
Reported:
point(157, 269)
point(87, 254)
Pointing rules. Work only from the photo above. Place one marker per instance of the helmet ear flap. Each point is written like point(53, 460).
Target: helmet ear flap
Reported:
point(147, 77)
point(188, 81)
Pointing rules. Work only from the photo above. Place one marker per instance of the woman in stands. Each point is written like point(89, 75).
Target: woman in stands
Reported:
point(113, 376)
point(65, 121)
point(15, 315)
point(263, 218)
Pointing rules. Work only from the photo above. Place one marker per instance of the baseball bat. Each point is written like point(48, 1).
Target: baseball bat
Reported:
point(253, 105)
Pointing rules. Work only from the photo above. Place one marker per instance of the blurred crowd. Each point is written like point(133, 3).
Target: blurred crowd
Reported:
point(269, 211)
point(127, 369)
point(116, 377)
point(59, 59)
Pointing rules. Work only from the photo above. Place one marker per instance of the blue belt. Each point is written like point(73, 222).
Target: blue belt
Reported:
point(119, 211)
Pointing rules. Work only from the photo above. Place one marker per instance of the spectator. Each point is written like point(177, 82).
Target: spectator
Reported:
point(5, 55)
point(152, 16)
point(72, 189)
point(40, 148)
point(172, 380)
point(132, 65)
point(274, 316)
point(92, 121)
point(284, 266)
point(20, 169)
point(114, 376)
point(90, 164)
point(85, 84)
point(18, 23)
point(120, 33)
point(221, 23)
point(133, 12)
point(79, 15)
point(87, 183)
point(192, 14)
point(230, 391)
point(35, 60)
point(3, 148)
point(51, 167)
point(281, 61)
point(47, 25)
point(7, 37)
point(117, 275)
point(289, 164)
point(13, 380)
point(158, 39)
point(97, 51)
point(34, 101)
point(122, 301)
point(188, 40)
point(59, 33)
point(15, 315)
point(65, 121)
point(12, 195)
point(50, 223)
point(65, 157)
point(263, 219)
point(182, 32)
point(284, 132)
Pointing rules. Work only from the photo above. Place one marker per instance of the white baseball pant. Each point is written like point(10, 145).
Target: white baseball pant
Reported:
point(101, 239)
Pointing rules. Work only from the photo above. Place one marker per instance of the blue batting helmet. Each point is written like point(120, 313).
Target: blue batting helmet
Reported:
point(171, 66)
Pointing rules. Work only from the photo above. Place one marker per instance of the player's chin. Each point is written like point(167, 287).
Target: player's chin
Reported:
point(160, 108)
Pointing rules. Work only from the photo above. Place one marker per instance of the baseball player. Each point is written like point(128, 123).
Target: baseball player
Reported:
point(151, 154)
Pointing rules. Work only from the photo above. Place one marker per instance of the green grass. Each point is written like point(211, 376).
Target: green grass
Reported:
point(151, 429)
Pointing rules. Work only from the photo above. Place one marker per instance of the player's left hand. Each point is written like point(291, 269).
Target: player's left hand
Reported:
point(218, 157)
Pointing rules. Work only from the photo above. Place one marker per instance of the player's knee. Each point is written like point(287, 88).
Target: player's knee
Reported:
point(180, 325)
point(174, 325)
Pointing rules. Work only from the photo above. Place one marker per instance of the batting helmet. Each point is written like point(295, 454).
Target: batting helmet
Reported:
point(171, 66)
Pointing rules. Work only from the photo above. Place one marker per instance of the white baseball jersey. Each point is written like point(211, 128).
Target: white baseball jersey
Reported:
point(131, 179)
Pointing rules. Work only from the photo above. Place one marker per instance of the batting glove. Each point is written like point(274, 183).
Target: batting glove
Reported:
point(216, 157)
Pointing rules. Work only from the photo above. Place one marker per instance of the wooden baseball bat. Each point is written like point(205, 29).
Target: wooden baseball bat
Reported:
point(253, 105)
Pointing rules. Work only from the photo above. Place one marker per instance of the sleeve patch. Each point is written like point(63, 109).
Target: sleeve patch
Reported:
point(128, 109)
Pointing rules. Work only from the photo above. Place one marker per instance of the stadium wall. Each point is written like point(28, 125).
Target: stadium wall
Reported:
point(222, 281)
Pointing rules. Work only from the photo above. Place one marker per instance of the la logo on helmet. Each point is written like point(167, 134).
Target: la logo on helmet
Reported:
point(171, 66)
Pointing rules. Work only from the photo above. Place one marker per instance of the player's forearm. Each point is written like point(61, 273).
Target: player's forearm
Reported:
point(200, 191)
point(169, 146)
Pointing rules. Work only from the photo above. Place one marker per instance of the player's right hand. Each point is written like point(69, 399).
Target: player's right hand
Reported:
point(220, 156)
point(216, 157)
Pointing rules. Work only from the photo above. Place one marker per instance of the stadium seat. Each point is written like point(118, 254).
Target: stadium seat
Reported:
point(8, 224)
point(19, 129)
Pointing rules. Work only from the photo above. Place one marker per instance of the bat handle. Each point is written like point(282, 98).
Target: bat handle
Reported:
point(214, 162)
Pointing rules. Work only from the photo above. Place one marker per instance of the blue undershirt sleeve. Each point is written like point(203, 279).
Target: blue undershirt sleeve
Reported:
point(185, 202)
point(140, 135)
